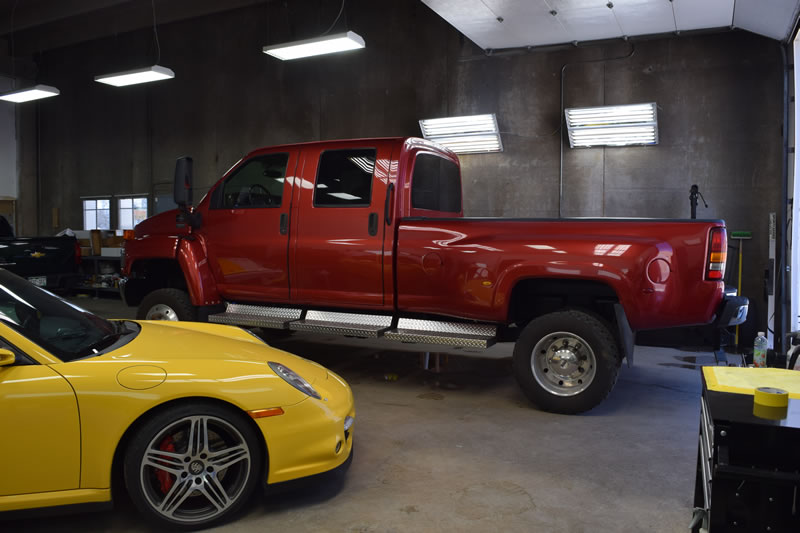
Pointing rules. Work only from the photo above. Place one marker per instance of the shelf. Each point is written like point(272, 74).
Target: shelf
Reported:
point(97, 289)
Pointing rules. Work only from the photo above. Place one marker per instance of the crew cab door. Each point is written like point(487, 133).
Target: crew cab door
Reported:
point(246, 228)
point(338, 257)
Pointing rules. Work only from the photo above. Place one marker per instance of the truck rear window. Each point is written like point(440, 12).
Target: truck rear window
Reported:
point(256, 183)
point(435, 184)
point(344, 178)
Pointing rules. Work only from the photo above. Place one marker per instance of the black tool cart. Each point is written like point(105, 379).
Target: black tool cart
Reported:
point(748, 463)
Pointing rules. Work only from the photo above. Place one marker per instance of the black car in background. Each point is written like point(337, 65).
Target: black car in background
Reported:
point(49, 262)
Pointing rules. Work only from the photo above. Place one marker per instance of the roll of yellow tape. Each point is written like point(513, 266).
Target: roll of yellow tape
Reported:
point(771, 397)
point(770, 413)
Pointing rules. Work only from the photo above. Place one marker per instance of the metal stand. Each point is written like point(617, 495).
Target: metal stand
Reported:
point(693, 194)
point(425, 360)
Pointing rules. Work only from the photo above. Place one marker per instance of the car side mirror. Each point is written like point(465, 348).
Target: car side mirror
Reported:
point(7, 357)
point(182, 191)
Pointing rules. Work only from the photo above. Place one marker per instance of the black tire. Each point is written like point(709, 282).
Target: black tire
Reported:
point(793, 359)
point(167, 304)
point(274, 335)
point(575, 365)
point(181, 491)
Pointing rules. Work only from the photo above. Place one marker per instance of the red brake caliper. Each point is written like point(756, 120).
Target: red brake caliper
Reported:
point(165, 478)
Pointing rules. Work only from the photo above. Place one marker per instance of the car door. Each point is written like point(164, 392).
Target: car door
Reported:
point(338, 251)
point(39, 427)
point(247, 228)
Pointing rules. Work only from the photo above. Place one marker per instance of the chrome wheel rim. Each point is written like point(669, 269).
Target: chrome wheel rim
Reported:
point(563, 363)
point(161, 312)
point(195, 469)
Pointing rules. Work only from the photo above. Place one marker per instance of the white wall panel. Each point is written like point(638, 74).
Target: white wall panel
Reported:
point(644, 17)
point(588, 22)
point(529, 22)
point(773, 18)
point(8, 145)
point(700, 14)
point(470, 17)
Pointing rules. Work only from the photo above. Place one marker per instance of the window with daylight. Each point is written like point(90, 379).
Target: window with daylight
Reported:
point(132, 211)
point(97, 214)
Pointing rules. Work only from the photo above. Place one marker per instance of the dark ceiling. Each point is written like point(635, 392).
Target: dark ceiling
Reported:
point(40, 25)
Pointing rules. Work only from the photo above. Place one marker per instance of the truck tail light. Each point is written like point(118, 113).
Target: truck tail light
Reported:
point(717, 254)
point(78, 258)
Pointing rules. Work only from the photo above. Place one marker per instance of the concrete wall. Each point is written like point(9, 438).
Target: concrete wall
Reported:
point(719, 99)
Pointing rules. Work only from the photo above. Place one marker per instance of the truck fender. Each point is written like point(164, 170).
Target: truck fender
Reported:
point(626, 335)
point(194, 264)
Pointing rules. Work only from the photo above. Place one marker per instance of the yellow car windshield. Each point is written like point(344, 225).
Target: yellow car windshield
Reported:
point(64, 329)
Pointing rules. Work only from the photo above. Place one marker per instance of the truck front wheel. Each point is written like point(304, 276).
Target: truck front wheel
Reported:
point(566, 362)
point(167, 304)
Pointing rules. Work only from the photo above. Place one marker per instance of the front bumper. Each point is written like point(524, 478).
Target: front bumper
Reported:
point(310, 437)
point(732, 310)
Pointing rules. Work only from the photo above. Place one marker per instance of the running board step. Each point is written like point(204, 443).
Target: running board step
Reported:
point(447, 333)
point(256, 316)
point(343, 324)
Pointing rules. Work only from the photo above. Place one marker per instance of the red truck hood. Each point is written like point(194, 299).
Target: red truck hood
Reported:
point(160, 224)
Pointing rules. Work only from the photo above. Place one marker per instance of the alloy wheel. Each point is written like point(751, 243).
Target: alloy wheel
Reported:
point(195, 469)
point(161, 312)
point(563, 363)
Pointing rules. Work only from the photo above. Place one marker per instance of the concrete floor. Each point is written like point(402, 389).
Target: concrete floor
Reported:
point(464, 451)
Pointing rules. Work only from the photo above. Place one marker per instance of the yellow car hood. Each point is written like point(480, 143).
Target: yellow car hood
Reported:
point(181, 343)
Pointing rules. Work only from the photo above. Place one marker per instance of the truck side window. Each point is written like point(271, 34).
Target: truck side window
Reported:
point(435, 184)
point(257, 183)
point(344, 178)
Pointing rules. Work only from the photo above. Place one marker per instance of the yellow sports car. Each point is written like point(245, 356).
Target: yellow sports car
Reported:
point(192, 416)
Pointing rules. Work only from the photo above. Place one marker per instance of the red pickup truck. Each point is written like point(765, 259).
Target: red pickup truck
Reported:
point(367, 238)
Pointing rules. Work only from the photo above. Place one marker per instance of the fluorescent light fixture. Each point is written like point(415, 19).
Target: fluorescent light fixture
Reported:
point(327, 44)
point(464, 135)
point(622, 125)
point(37, 92)
point(139, 75)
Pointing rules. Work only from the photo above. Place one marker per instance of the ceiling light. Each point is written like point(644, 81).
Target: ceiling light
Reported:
point(622, 125)
point(464, 135)
point(139, 75)
point(327, 44)
point(37, 92)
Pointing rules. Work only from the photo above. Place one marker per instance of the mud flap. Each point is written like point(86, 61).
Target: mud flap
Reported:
point(625, 334)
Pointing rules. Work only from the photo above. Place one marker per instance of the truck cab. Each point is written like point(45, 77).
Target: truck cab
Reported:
point(339, 199)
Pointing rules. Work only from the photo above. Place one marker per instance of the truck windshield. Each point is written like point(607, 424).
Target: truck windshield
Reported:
point(65, 330)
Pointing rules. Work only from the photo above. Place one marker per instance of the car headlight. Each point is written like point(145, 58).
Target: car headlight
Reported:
point(294, 379)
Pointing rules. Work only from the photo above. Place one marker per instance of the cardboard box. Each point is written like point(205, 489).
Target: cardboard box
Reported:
point(113, 241)
point(86, 251)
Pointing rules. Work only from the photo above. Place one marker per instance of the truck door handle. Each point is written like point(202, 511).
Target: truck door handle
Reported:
point(387, 205)
point(373, 224)
point(284, 223)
